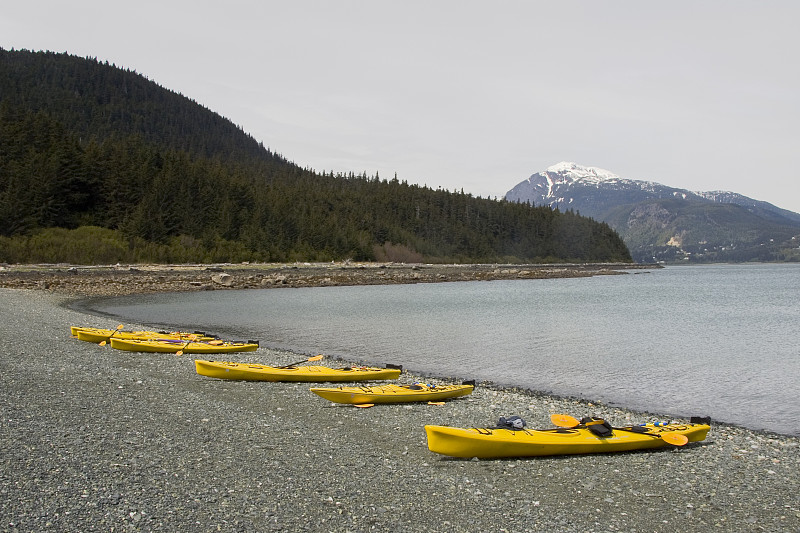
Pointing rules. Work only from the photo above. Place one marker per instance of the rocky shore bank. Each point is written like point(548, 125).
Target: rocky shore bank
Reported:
point(95, 439)
point(136, 279)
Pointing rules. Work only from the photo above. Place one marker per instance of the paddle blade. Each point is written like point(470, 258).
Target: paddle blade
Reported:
point(118, 328)
point(364, 405)
point(102, 343)
point(191, 338)
point(316, 358)
point(675, 439)
point(564, 421)
point(435, 403)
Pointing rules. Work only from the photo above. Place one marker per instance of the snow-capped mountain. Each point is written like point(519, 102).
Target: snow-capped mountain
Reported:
point(650, 216)
point(588, 189)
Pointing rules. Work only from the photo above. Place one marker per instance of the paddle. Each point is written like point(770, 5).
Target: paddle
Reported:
point(676, 439)
point(191, 338)
point(119, 328)
point(315, 358)
point(565, 421)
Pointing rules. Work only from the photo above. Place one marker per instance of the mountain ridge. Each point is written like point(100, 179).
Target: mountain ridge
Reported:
point(663, 223)
point(100, 165)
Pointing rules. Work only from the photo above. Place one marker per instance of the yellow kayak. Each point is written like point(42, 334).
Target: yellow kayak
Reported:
point(418, 392)
point(186, 346)
point(256, 372)
point(496, 442)
point(98, 335)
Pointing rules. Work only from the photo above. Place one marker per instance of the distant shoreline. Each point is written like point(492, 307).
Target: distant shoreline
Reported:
point(117, 280)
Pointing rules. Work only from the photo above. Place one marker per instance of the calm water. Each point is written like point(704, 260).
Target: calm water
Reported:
point(718, 340)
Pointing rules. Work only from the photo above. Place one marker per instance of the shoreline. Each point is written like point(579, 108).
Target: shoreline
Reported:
point(103, 439)
point(118, 280)
point(76, 303)
point(83, 282)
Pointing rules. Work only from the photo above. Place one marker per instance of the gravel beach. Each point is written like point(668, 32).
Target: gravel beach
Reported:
point(95, 439)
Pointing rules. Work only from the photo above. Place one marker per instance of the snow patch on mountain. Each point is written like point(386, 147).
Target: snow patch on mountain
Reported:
point(566, 173)
point(719, 196)
point(554, 185)
point(574, 172)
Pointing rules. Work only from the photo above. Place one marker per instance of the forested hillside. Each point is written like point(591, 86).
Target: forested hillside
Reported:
point(99, 164)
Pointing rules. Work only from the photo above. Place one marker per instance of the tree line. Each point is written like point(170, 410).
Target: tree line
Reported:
point(88, 145)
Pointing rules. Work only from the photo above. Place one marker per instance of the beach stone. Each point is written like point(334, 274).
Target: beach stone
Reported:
point(223, 279)
point(101, 439)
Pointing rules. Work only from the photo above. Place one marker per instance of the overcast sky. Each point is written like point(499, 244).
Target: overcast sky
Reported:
point(702, 95)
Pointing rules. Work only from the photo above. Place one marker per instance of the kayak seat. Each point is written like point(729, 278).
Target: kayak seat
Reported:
point(600, 427)
point(513, 423)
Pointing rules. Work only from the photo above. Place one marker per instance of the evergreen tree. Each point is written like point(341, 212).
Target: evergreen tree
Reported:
point(88, 144)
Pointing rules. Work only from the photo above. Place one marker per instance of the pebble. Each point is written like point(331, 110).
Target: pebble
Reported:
point(95, 439)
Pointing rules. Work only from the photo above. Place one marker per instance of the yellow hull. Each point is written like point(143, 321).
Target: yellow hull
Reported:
point(495, 443)
point(255, 372)
point(175, 345)
point(392, 393)
point(97, 335)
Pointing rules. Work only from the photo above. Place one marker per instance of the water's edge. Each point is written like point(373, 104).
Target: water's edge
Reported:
point(659, 344)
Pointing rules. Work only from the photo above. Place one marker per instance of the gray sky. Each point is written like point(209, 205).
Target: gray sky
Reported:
point(457, 94)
